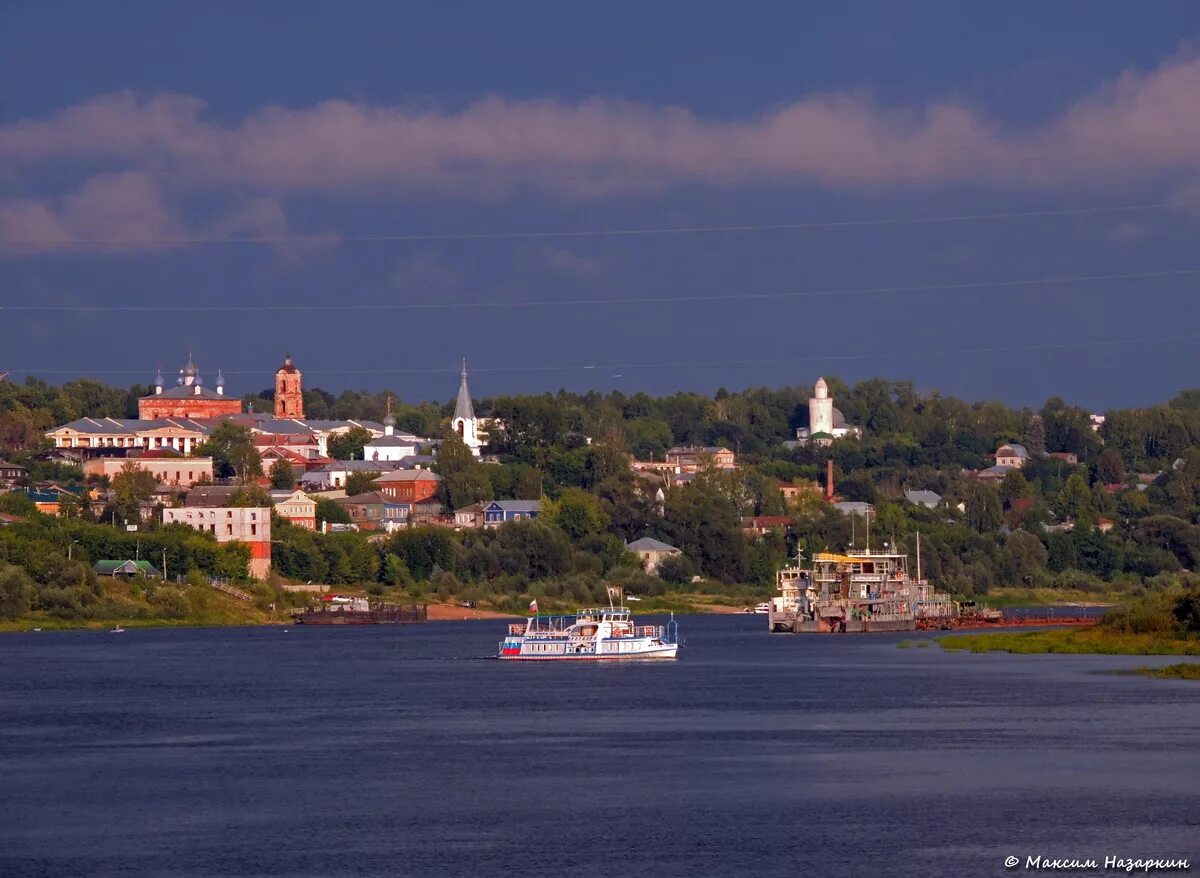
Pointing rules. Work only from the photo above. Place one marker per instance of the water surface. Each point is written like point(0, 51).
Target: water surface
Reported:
point(403, 751)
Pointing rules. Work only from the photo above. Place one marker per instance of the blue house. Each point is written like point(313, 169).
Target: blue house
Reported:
point(499, 512)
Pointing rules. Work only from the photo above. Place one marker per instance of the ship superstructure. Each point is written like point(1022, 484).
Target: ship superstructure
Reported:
point(860, 591)
point(602, 634)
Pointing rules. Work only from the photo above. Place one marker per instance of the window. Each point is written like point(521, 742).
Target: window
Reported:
point(253, 530)
point(229, 529)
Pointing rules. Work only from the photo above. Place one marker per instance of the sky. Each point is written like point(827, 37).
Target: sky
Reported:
point(995, 202)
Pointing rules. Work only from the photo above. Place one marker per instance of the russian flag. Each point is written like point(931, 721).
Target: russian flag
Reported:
point(533, 606)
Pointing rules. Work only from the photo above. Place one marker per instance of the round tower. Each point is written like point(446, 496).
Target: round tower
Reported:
point(820, 409)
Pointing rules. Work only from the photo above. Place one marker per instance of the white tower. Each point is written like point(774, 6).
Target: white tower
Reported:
point(464, 423)
point(820, 409)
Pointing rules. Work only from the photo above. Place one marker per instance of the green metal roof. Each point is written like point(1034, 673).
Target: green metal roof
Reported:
point(129, 568)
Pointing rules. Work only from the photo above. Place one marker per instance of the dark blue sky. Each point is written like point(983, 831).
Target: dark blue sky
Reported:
point(148, 149)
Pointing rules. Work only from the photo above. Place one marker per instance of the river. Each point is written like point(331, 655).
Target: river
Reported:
point(406, 751)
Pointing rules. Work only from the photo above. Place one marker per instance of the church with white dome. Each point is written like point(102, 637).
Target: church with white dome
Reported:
point(825, 423)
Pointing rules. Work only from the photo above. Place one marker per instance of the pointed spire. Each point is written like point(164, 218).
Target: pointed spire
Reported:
point(463, 408)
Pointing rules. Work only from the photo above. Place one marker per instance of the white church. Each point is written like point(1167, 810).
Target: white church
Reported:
point(825, 423)
point(464, 422)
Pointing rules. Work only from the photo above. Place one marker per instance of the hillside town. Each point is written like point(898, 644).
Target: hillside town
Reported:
point(1063, 497)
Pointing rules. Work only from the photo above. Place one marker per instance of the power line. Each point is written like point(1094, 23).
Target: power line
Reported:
point(907, 353)
point(433, 237)
point(651, 300)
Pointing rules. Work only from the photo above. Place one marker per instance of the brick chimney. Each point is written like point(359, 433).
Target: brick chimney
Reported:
point(829, 480)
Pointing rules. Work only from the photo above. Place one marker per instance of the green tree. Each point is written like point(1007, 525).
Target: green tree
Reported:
point(676, 569)
point(130, 488)
point(231, 447)
point(463, 478)
point(1035, 436)
point(16, 503)
point(1013, 486)
point(360, 482)
point(16, 591)
point(576, 513)
point(1110, 467)
point(250, 496)
point(349, 445)
point(329, 511)
point(529, 484)
point(282, 476)
point(1075, 499)
point(648, 438)
point(983, 508)
point(1026, 555)
point(454, 457)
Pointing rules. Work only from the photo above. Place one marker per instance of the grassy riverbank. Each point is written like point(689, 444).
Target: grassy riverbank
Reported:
point(1181, 671)
point(131, 605)
point(147, 605)
point(1164, 623)
point(1012, 596)
point(1093, 640)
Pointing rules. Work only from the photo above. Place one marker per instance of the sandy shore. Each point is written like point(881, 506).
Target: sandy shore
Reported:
point(455, 613)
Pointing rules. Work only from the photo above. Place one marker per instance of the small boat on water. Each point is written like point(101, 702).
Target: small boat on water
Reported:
point(118, 630)
point(603, 634)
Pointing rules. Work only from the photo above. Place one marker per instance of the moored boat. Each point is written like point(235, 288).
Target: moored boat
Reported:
point(338, 610)
point(602, 634)
point(860, 591)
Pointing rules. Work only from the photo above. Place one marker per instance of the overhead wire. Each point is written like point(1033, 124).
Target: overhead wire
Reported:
point(433, 237)
point(1052, 280)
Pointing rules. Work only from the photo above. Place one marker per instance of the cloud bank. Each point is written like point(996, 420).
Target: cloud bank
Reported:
point(1141, 125)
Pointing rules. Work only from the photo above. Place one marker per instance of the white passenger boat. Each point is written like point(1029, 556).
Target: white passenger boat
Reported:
point(604, 634)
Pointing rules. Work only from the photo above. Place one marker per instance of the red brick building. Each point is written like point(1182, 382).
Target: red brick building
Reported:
point(189, 399)
point(409, 486)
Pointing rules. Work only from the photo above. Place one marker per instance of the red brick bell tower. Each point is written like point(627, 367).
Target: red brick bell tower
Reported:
point(289, 395)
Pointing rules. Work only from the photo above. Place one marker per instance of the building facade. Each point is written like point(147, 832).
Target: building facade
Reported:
point(500, 512)
point(691, 458)
point(189, 399)
point(652, 552)
point(296, 507)
point(228, 524)
point(180, 471)
point(289, 391)
point(411, 486)
point(110, 435)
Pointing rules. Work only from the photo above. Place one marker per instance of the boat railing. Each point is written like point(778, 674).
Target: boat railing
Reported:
point(516, 628)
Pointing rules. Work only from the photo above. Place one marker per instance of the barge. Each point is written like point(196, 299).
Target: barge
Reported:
point(337, 610)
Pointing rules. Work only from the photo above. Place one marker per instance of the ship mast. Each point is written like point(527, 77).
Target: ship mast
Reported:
point(918, 556)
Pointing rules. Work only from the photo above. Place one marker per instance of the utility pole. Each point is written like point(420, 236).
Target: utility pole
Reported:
point(164, 565)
